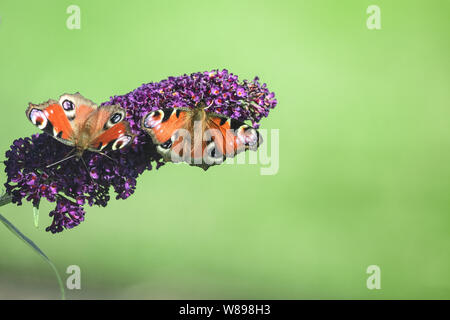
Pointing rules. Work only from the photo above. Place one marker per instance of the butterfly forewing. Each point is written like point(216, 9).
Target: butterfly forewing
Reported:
point(162, 124)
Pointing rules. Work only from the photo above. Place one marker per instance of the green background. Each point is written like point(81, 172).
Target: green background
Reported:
point(364, 150)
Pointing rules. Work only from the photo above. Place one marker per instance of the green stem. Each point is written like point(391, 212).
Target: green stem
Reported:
point(5, 199)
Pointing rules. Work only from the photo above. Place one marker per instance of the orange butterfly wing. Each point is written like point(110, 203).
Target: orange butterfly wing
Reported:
point(162, 124)
point(235, 135)
point(216, 138)
point(116, 137)
point(108, 128)
point(77, 121)
point(51, 118)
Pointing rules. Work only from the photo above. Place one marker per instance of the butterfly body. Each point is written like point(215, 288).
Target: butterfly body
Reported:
point(78, 122)
point(197, 136)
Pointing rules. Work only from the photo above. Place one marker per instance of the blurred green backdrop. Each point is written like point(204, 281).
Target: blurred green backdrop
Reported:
point(364, 150)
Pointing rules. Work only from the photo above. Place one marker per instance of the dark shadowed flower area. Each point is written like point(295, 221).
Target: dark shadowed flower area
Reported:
point(72, 184)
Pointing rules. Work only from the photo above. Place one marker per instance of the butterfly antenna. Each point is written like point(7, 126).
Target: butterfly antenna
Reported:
point(204, 106)
point(57, 162)
point(88, 172)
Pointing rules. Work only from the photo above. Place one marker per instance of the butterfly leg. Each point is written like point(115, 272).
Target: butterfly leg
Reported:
point(87, 170)
point(66, 157)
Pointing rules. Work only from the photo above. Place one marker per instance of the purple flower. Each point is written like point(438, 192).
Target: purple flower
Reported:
point(240, 92)
point(218, 101)
point(218, 89)
point(28, 158)
point(66, 215)
point(215, 90)
point(73, 183)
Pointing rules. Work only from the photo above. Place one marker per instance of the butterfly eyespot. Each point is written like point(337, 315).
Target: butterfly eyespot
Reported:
point(154, 118)
point(249, 136)
point(38, 118)
point(68, 105)
point(167, 144)
point(212, 155)
point(121, 142)
point(116, 117)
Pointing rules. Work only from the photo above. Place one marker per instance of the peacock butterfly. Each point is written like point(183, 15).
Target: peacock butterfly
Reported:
point(197, 136)
point(78, 122)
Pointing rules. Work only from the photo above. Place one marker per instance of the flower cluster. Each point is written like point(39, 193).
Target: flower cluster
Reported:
point(74, 183)
point(220, 91)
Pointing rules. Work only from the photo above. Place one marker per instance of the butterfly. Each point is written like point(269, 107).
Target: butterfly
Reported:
point(80, 123)
point(197, 136)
